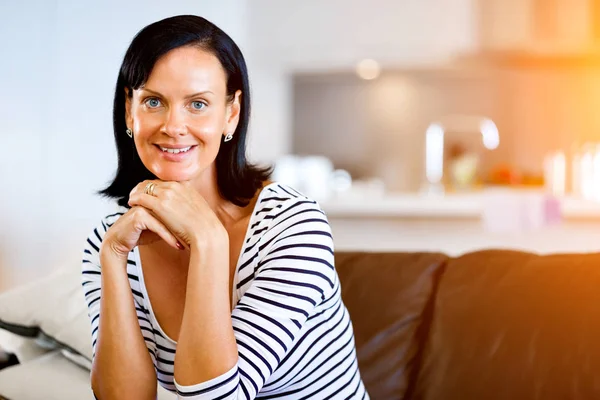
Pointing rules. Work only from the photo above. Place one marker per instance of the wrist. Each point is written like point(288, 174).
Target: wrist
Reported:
point(211, 252)
point(214, 241)
point(112, 255)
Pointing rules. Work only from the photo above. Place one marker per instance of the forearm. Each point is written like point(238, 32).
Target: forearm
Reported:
point(206, 347)
point(122, 365)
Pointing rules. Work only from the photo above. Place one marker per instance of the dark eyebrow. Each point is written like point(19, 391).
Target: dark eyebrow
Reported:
point(187, 97)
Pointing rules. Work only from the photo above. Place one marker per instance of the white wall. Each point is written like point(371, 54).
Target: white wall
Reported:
point(26, 104)
point(58, 71)
point(330, 35)
point(59, 66)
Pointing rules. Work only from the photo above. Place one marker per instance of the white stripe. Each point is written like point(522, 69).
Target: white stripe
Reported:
point(297, 294)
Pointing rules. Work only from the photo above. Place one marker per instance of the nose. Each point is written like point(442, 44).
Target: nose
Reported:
point(175, 123)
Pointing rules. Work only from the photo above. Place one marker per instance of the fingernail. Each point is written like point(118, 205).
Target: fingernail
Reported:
point(180, 246)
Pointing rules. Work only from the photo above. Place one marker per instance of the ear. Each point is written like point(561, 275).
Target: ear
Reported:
point(233, 112)
point(128, 117)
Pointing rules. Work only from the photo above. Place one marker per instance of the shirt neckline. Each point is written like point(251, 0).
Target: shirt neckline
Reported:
point(146, 297)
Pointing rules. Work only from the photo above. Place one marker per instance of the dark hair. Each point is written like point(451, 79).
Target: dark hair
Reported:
point(237, 179)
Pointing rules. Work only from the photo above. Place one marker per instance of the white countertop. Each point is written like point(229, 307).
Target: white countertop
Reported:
point(458, 223)
point(456, 237)
point(451, 205)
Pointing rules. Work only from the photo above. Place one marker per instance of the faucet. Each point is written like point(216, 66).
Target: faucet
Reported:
point(434, 144)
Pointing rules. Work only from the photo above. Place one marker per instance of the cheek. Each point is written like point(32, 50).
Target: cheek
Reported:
point(144, 123)
point(209, 135)
point(208, 127)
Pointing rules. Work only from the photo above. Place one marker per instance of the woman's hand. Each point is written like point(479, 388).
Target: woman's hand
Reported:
point(137, 226)
point(182, 210)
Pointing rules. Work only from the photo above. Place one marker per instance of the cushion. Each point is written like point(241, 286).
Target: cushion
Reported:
point(387, 296)
point(23, 348)
point(78, 359)
point(52, 377)
point(512, 325)
point(51, 310)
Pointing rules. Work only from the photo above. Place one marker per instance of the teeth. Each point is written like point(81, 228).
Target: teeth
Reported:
point(175, 151)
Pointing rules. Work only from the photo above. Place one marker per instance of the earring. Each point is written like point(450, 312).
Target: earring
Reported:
point(129, 133)
point(228, 137)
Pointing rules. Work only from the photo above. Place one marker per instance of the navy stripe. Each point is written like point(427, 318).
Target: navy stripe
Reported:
point(291, 327)
point(218, 385)
point(302, 245)
point(259, 341)
point(296, 257)
point(297, 296)
point(266, 318)
point(277, 304)
point(301, 271)
point(263, 330)
point(293, 283)
point(93, 245)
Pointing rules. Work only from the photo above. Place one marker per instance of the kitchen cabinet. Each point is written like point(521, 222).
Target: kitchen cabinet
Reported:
point(552, 27)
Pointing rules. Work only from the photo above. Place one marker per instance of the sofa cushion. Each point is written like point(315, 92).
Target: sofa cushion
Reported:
point(23, 348)
point(49, 377)
point(386, 295)
point(511, 325)
point(51, 310)
point(52, 377)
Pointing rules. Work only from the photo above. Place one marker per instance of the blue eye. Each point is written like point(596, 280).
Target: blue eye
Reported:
point(152, 103)
point(198, 105)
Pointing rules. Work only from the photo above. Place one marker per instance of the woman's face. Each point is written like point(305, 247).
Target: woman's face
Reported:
point(180, 114)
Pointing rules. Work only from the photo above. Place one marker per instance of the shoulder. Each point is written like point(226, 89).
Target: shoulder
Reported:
point(297, 242)
point(291, 217)
point(279, 201)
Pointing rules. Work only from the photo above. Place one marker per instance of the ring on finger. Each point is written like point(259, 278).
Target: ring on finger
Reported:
point(149, 189)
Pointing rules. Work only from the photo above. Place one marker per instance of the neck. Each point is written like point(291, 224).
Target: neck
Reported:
point(227, 212)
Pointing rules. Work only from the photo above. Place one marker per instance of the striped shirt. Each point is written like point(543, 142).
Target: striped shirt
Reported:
point(293, 333)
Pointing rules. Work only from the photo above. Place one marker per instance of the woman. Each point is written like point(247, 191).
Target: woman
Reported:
point(213, 280)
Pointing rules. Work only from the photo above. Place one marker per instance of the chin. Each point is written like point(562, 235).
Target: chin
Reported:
point(176, 176)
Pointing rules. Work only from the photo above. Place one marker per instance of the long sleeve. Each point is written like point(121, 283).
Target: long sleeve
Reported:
point(294, 279)
point(91, 282)
point(293, 333)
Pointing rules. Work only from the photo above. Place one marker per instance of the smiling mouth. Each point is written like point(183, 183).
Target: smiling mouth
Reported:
point(175, 151)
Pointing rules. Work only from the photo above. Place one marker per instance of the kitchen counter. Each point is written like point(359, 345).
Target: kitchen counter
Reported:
point(453, 205)
point(453, 224)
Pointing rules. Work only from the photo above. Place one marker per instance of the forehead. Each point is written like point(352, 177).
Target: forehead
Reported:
point(188, 69)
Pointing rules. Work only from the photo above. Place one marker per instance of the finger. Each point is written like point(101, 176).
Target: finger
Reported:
point(152, 206)
point(141, 187)
point(153, 224)
point(162, 189)
point(151, 203)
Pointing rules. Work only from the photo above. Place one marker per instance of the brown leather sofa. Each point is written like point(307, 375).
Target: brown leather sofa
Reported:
point(488, 325)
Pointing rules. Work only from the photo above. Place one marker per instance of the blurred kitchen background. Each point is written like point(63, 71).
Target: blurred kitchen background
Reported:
point(436, 125)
